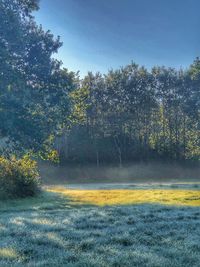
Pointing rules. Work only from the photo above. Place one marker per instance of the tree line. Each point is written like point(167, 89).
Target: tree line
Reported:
point(134, 114)
point(126, 115)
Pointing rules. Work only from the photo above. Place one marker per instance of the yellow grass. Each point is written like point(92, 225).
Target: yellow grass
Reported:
point(123, 196)
point(7, 253)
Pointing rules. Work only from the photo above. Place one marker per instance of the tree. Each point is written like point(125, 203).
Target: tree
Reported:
point(34, 89)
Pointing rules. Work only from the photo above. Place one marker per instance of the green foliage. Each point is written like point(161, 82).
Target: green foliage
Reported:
point(18, 178)
point(127, 114)
point(34, 101)
point(134, 114)
point(79, 100)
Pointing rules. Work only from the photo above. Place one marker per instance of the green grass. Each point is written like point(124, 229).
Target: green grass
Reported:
point(106, 197)
point(53, 230)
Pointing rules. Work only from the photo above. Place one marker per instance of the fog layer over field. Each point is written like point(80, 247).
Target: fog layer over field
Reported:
point(138, 172)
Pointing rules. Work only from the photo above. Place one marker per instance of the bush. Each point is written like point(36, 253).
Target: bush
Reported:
point(18, 178)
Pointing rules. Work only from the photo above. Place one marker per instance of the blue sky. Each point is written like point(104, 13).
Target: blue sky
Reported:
point(98, 35)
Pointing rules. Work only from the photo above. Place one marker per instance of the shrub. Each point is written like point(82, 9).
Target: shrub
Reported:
point(18, 178)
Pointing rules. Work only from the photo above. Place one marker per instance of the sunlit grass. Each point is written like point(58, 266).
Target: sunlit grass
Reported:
point(8, 253)
point(58, 228)
point(123, 196)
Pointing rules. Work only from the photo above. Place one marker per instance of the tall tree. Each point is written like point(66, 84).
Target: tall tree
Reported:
point(33, 87)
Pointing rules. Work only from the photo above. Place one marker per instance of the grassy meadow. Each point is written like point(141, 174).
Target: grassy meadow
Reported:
point(128, 197)
point(157, 226)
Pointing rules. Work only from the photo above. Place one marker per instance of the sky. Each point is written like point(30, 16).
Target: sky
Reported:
point(99, 35)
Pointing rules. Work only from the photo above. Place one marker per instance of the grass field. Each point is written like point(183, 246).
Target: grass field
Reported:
point(128, 197)
point(100, 227)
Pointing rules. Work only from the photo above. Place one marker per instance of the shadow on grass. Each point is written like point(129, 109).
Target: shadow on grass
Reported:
point(53, 230)
point(43, 201)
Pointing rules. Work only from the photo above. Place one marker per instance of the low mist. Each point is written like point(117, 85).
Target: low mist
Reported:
point(138, 172)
